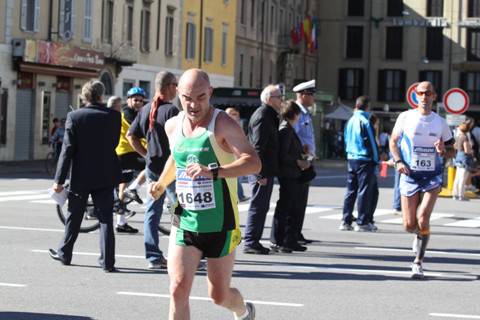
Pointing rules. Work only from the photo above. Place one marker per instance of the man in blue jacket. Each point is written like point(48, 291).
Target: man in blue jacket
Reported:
point(362, 155)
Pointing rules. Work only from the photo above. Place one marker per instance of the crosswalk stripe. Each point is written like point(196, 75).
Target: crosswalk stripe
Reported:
point(25, 197)
point(452, 315)
point(49, 201)
point(16, 193)
point(15, 285)
point(468, 223)
point(338, 216)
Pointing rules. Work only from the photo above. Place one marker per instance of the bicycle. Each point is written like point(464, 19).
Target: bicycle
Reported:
point(90, 222)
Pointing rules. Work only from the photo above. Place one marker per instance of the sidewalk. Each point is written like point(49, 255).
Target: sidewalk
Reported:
point(15, 167)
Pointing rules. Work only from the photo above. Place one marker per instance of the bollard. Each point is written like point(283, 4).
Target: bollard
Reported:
point(447, 192)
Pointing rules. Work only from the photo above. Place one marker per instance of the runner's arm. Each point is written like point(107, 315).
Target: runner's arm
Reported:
point(136, 143)
point(166, 178)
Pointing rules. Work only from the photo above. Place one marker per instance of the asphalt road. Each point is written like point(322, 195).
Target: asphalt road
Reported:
point(343, 275)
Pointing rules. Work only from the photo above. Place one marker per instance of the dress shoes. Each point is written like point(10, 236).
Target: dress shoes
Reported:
point(295, 247)
point(258, 249)
point(54, 255)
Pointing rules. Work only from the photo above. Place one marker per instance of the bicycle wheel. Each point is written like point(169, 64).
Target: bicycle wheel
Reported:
point(50, 164)
point(90, 221)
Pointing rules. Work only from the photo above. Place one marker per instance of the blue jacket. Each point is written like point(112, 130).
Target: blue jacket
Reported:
point(360, 143)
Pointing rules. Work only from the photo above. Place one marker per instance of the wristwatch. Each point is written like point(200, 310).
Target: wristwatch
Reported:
point(213, 167)
point(397, 162)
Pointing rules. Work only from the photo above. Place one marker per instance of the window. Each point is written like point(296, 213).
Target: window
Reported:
point(252, 66)
point(434, 44)
point(87, 21)
point(191, 38)
point(208, 47)
point(391, 85)
point(169, 32)
point(240, 72)
point(394, 43)
point(470, 82)
point(354, 42)
point(270, 77)
point(159, 15)
point(129, 24)
point(473, 8)
point(29, 15)
point(3, 116)
point(107, 81)
point(243, 4)
point(45, 111)
point(66, 23)
point(145, 85)
point(435, 77)
point(350, 83)
point(473, 44)
point(252, 13)
point(224, 45)
point(356, 8)
point(127, 85)
point(107, 21)
point(145, 30)
point(395, 8)
point(435, 8)
point(272, 19)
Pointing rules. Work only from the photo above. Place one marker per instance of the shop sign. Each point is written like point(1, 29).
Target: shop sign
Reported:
point(413, 22)
point(58, 54)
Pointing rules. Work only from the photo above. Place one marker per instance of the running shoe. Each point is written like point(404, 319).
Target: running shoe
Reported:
point(133, 195)
point(365, 228)
point(417, 271)
point(126, 229)
point(251, 311)
point(160, 264)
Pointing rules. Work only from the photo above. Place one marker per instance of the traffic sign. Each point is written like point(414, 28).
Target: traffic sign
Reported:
point(412, 96)
point(456, 101)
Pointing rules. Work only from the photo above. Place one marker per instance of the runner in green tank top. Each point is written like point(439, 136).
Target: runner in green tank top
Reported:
point(209, 150)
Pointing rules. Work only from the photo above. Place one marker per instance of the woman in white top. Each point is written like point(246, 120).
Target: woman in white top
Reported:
point(463, 160)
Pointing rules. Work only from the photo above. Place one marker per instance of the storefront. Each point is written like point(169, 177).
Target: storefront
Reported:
point(50, 76)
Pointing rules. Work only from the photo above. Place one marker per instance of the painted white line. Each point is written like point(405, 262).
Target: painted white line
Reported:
point(31, 229)
point(451, 315)
point(15, 285)
point(339, 216)
point(94, 254)
point(44, 201)
point(25, 197)
point(469, 223)
point(167, 296)
point(16, 193)
point(428, 251)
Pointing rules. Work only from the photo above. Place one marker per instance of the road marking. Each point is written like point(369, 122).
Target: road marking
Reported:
point(339, 216)
point(16, 193)
point(50, 201)
point(451, 315)
point(15, 285)
point(94, 254)
point(31, 229)
point(468, 223)
point(428, 251)
point(311, 209)
point(25, 197)
point(167, 296)
point(435, 216)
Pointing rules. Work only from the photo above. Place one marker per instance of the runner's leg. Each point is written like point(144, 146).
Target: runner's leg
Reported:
point(182, 265)
point(219, 272)
point(409, 211)
point(424, 212)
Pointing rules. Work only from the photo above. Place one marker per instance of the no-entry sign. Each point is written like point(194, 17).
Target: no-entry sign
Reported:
point(456, 101)
point(412, 96)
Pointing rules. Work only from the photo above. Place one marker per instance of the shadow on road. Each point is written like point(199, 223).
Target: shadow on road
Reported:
point(7, 315)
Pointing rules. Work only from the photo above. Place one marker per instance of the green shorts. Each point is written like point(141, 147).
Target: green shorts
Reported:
point(211, 244)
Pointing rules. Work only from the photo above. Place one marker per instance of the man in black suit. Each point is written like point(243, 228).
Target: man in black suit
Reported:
point(91, 135)
point(263, 136)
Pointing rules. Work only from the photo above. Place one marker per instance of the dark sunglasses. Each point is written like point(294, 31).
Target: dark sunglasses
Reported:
point(426, 93)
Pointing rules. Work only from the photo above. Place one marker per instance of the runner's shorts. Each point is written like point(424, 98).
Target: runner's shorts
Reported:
point(211, 244)
point(409, 186)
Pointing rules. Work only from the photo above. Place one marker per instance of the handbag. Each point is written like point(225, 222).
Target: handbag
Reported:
point(307, 175)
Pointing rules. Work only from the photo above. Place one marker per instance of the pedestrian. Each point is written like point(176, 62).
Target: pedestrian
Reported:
point(89, 143)
point(305, 93)
point(463, 160)
point(115, 103)
point(55, 125)
point(234, 113)
point(263, 136)
point(362, 157)
point(208, 150)
point(424, 138)
point(150, 125)
point(130, 160)
point(56, 139)
point(384, 138)
point(284, 233)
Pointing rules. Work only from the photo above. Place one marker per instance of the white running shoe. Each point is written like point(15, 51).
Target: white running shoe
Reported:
point(345, 227)
point(417, 271)
point(251, 311)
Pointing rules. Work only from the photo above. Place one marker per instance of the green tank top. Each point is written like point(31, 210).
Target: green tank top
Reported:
point(205, 205)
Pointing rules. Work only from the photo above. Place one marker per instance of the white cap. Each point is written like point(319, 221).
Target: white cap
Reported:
point(305, 86)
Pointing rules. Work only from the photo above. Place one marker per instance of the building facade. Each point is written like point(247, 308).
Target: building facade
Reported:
point(265, 49)
point(208, 38)
point(380, 48)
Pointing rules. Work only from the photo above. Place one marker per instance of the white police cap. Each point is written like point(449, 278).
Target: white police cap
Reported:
point(308, 86)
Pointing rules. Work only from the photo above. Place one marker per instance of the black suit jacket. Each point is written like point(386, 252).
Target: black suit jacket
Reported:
point(91, 135)
point(290, 151)
point(263, 136)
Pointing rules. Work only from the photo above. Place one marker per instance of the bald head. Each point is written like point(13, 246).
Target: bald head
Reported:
point(425, 85)
point(194, 77)
point(194, 91)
